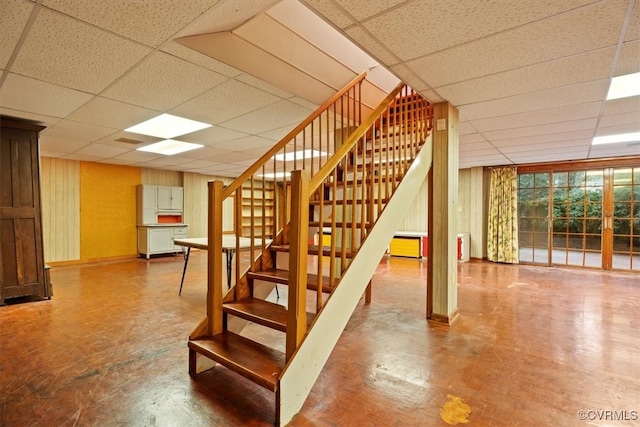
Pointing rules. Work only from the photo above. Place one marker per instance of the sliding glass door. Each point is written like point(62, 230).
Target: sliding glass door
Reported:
point(586, 218)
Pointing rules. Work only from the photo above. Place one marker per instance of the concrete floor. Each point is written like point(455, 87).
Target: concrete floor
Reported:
point(532, 347)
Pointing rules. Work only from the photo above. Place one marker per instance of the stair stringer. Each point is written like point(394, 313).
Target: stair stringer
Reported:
point(303, 369)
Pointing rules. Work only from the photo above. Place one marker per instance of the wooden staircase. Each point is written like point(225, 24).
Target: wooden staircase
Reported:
point(324, 208)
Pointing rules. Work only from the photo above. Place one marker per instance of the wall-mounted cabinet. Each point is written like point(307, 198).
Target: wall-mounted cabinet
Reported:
point(170, 199)
point(157, 204)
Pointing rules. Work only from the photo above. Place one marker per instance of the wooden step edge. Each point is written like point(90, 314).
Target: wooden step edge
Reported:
point(259, 311)
point(262, 312)
point(314, 250)
point(282, 277)
point(349, 202)
point(349, 224)
point(254, 361)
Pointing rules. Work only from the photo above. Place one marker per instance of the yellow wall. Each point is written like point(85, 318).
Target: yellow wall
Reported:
point(107, 210)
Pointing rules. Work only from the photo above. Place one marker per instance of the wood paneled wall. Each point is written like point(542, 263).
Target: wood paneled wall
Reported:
point(472, 195)
point(161, 177)
point(195, 204)
point(417, 215)
point(60, 181)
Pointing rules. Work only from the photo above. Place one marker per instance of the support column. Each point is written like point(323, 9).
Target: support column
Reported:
point(442, 277)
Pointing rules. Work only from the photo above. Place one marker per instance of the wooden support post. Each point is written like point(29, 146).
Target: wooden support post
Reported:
point(442, 301)
point(367, 293)
point(298, 240)
point(214, 260)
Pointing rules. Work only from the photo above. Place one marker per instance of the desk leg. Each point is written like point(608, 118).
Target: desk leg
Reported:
point(184, 269)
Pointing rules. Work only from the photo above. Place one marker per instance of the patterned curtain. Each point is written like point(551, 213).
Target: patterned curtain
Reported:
point(502, 233)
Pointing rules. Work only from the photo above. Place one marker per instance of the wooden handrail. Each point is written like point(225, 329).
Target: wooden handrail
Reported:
point(341, 152)
point(284, 141)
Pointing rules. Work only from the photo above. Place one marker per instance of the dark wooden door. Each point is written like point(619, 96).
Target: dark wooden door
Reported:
point(21, 250)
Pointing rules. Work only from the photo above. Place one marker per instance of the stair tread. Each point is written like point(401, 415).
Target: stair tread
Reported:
point(357, 224)
point(282, 276)
point(252, 360)
point(340, 202)
point(314, 250)
point(263, 312)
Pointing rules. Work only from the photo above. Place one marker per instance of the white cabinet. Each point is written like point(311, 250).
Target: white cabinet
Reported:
point(157, 200)
point(147, 196)
point(169, 198)
point(158, 239)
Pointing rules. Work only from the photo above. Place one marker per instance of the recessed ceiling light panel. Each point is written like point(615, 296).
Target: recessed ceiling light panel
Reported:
point(170, 147)
point(613, 139)
point(167, 126)
point(624, 86)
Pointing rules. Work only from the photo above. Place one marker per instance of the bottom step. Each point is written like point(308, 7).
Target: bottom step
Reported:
point(252, 360)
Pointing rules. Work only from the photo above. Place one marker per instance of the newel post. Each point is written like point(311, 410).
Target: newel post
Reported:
point(298, 240)
point(214, 259)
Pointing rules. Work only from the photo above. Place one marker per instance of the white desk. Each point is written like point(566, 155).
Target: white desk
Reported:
point(228, 247)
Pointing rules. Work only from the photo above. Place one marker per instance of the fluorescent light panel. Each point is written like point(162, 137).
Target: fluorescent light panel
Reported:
point(612, 139)
point(299, 155)
point(624, 86)
point(169, 147)
point(167, 126)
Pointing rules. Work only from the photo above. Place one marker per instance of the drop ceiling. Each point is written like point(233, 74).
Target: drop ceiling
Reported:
point(529, 78)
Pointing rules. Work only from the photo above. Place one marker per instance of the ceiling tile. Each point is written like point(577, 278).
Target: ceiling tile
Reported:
point(101, 150)
point(364, 10)
point(618, 120)
point(13, 17)
point(265, 86)
point(141, 140)
point(38, 97)
point(564, 96)
point(212, 135)
point(150, 23)
point(570, 145)
point(633, 30)
point(310, 27)
point(548, 156)
point(376, 49)
point(614, 150)
point(591, 28)
point(629, 60)
point(205, 152)
point(78, 131)
point(64, 145)
point(170, 161)
point(331, 12)
point(530, 118)
point(423, 27)
point(138, 156)
point(111, 113)
point(622, 105)
point(250, 142)
point(195, 57)
point(566, 71)
point(223, 102)
point(558, 137)
point(162, 82)
point(47, 121)
point(268, 118)
point(540, 129)
point(233, 156)
point(65, 51)
point(225, 16)
point(618, 129)
point(82, 157)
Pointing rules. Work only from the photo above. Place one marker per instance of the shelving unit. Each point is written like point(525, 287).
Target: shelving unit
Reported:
point(263, 209)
